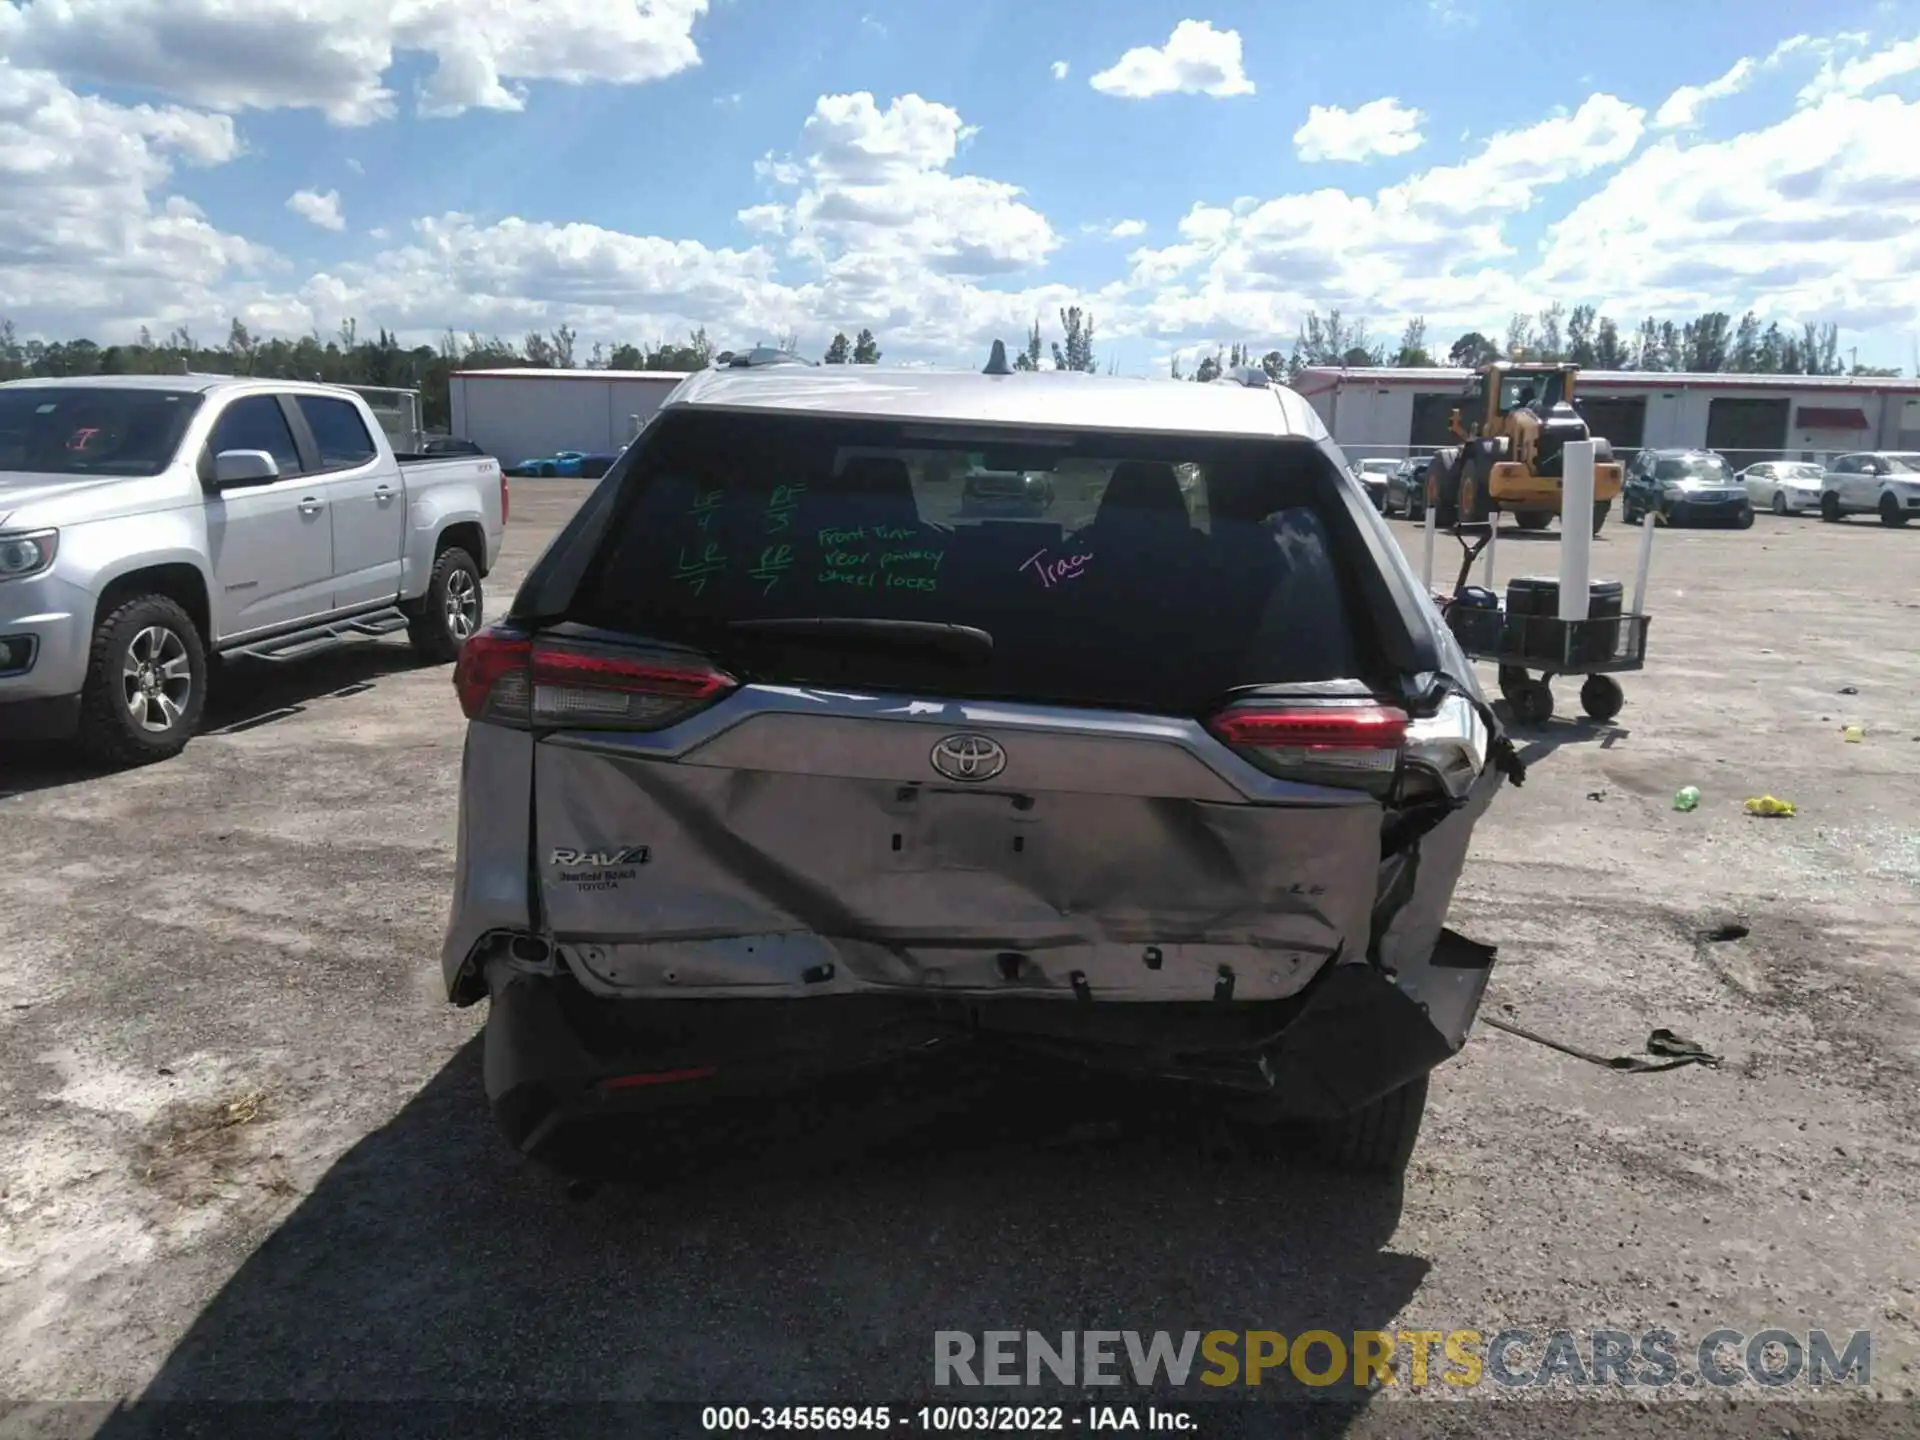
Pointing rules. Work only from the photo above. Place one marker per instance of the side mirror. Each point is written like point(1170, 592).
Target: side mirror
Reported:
point(244, 467)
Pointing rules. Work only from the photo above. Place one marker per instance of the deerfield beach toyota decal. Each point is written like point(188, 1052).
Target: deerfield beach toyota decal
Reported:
point(598, 869)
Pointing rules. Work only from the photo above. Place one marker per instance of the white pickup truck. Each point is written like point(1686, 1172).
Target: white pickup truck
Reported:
point(151, 523)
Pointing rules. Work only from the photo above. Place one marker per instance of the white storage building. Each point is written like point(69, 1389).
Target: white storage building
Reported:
point(1744, 417)
point(517, 415)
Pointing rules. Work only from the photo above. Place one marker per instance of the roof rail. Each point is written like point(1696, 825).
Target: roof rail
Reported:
point(1251, 377)
point(760, 357)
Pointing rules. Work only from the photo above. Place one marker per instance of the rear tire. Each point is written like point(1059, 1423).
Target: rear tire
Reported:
point(1780, 502)
point(451, 610)
point(1533, 519)
point(1601, 509)
point(146, 684)
point(1830, 508)
point(1377, 1139)
point(1890, 512)
point(1601, 697)
point(1745, 522)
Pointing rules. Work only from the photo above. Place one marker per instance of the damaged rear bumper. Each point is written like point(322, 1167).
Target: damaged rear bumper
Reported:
point(555, 1052)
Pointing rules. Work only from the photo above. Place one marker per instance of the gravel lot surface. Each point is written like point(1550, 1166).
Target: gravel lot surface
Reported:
point(246, 1156)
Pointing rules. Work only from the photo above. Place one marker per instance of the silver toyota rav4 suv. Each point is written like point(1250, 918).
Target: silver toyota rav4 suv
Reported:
point(781, 766)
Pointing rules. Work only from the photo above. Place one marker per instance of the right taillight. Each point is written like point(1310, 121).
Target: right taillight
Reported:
point(1355, 746)
point(511, 680)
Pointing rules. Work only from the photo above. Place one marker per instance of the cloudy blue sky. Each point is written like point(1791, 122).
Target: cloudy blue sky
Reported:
point(1194, 172)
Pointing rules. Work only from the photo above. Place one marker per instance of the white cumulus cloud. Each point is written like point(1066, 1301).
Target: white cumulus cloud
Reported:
point(1196, 60)
point(1813, 217)
point(1127, 229)
point(1685, 104)
point(877, 196)
point(1059, 69)
point(318, 208)
point(1862, 73)
point(334, 57)
point(89, 231)
point(1379, 127)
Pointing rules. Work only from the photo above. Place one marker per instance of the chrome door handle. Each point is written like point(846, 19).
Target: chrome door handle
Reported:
point(383, 493)
point(311, 506)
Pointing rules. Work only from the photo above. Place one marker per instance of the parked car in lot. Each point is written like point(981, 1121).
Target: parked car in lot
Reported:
point(768, 775)
point(1684, 487)
point(1786, 487)
point(547, 467)
point(1407, 488)
point(1880, 482)
point(1373, 475)
point(151, 523)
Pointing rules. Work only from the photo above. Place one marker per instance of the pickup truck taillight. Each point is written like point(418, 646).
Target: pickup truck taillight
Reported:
point(504, 498)
point(1340, 743)
point(505, 678)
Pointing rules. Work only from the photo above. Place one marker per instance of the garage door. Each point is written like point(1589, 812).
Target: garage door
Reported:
point(1747, 430)
point(1622, 421)
point(1430, 414)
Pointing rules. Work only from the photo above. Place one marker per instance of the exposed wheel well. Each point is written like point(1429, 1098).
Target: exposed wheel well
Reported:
point(179, 582)
point(467, 536)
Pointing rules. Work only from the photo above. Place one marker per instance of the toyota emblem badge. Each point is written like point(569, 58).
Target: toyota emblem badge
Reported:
point(969, 757)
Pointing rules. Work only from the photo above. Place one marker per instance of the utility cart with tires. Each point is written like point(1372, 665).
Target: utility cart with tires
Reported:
point(1533, 649)
point(1533, 636)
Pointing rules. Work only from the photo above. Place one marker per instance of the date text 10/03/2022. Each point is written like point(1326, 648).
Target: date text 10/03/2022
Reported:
point(996, 1419)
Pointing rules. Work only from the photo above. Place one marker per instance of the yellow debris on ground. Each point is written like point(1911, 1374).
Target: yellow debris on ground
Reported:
point(1768, 805)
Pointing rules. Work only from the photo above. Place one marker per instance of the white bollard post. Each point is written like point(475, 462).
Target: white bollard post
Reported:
point(1576, 529)
point(1427, 564)
point(1646, 563)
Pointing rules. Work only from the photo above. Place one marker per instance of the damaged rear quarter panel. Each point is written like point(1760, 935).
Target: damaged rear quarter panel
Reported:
point(492, 873)
point(1449, 992)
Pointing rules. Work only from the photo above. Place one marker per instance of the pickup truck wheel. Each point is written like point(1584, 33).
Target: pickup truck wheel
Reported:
point(450, 611)
point(146, 684)
point(1378, 1139)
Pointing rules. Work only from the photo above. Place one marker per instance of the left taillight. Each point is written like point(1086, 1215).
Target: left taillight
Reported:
point(1349, 745)
point(492, 676)
point(507, 679)
point(506, 500)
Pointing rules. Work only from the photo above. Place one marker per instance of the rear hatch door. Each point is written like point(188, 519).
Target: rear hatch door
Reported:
point(806, 729)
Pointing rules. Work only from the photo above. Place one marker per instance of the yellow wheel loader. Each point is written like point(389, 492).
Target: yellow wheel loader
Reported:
point(1512, 426)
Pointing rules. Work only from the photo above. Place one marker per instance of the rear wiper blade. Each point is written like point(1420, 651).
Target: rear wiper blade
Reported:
point(965, 643)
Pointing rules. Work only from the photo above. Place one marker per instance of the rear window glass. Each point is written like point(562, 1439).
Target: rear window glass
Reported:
point(338, 431)
point(1148, 572)
point(92, 430)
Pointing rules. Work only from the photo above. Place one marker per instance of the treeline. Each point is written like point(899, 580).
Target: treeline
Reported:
point(1713, 343)
point(348, 358)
